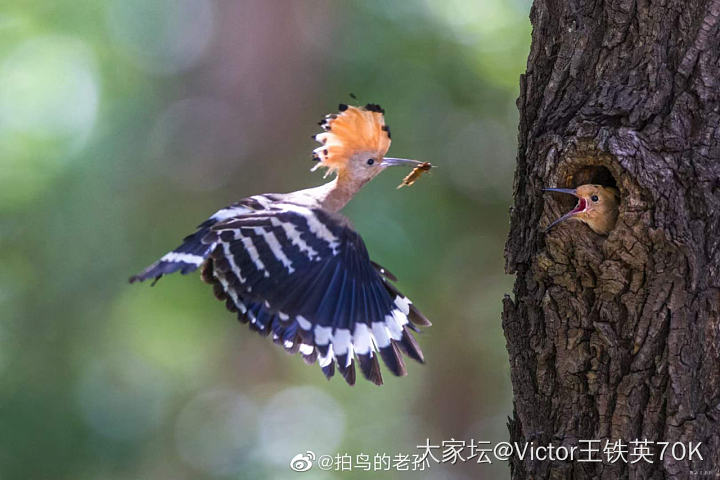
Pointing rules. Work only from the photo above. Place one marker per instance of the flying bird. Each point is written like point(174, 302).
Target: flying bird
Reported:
point(292, 267)
point(597, 207)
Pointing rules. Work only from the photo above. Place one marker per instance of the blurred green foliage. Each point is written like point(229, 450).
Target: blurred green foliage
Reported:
point(124, 123)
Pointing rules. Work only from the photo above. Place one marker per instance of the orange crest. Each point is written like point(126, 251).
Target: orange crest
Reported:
point(353, 130)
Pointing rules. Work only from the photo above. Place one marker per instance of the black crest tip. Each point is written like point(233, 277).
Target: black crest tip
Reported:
point(374, 107)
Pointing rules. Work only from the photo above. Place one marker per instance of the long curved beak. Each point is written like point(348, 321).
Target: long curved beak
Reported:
point(570, 191)
point(578, 208)
point(400, 162)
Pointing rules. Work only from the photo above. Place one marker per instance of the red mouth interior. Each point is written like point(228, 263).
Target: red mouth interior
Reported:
point(580, 206)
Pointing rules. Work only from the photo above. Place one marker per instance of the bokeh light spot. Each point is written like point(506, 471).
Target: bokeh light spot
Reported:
point(49, 96)
point(215, 432)
point(161, 36)
point(299, 419)
point(49, 88)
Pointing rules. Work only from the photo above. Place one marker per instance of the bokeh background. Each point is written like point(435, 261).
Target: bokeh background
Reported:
point(124, 123)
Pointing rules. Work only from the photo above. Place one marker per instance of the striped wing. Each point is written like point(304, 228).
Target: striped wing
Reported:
point(304, 276)
point(193, 252)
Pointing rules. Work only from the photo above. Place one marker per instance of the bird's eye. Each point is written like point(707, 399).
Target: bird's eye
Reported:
point(594, 198)
point(370, 161)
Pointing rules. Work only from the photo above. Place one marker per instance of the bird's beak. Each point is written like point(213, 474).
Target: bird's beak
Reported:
point(400, 162)
point(580, 207)
point(571, 191)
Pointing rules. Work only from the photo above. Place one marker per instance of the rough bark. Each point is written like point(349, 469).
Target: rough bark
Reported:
point(618, 337)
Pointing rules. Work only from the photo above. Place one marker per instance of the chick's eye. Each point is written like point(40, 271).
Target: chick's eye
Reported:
point(594, 198)
point(370, 161)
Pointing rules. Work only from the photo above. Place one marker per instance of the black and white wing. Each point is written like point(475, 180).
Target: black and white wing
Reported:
point(304, 276)
point(193, 252)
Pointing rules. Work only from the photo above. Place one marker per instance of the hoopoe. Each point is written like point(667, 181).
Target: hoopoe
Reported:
point(597, 207)
point(291, 266)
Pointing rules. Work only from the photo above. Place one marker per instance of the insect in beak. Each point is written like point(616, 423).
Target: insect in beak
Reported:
point(580, 207)
point(415, 174)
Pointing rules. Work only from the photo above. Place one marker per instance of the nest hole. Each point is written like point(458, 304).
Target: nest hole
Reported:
point(594, 174)
point(588, 174)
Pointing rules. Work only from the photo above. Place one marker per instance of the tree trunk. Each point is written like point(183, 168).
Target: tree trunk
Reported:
point(618, 337)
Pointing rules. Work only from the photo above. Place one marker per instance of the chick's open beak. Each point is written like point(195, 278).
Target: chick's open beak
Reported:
point(400, 162)
point(578, 208)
